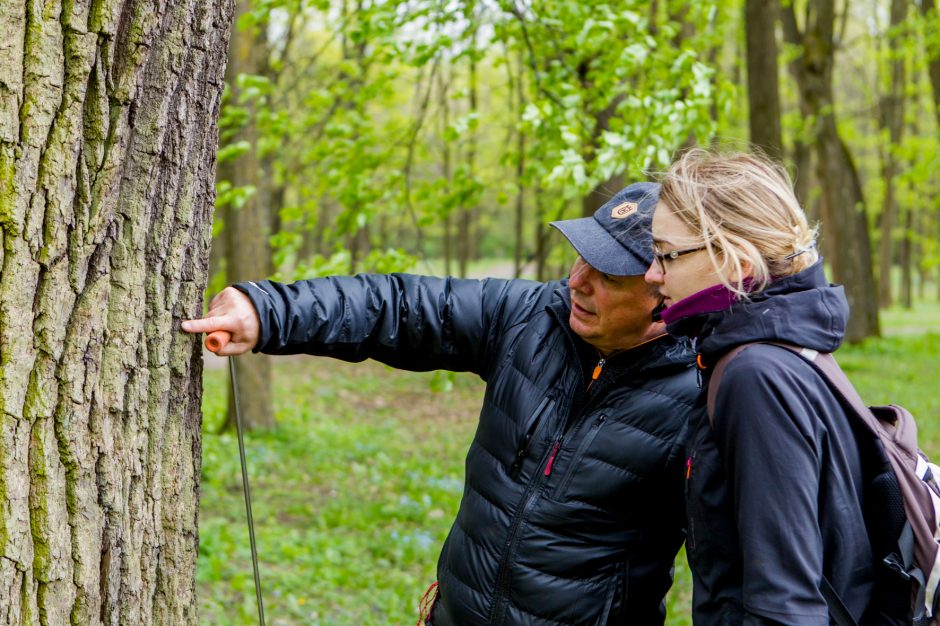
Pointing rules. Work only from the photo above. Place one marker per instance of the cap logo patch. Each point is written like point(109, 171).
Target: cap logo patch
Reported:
point(625, 209)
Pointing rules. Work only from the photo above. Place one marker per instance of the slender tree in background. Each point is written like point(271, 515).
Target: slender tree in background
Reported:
point(763, 92)
point(467, 228)
point(892, 123)
point(247, 216)
point(844, 221)
point(928, 10)
point(107, 154)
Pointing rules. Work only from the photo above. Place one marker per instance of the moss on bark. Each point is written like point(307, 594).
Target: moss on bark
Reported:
point(106, 194)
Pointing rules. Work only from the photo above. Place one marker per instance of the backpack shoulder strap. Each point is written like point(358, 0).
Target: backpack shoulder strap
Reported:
point(715, 380)
point(825, 363)
point(837, 609)
point(719, 368)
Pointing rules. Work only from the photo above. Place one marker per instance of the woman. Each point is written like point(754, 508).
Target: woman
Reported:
point(774, 485)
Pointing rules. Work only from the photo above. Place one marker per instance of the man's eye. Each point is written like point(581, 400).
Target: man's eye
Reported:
point(607, 277)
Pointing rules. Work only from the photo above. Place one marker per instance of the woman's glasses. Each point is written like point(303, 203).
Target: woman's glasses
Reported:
point(663, 257)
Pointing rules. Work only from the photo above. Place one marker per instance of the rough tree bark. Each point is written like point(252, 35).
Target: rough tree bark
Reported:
point(763, 92)
point(246, 229)
point(842, 200)
point(107, 157)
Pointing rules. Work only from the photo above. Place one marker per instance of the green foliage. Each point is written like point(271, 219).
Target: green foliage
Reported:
point(360, 106)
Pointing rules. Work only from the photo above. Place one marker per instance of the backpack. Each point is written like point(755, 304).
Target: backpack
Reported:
point(901, 500)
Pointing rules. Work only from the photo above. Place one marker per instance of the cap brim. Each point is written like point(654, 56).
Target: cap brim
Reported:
point(599, 248)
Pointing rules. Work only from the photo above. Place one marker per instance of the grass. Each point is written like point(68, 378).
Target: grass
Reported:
point(356, 487)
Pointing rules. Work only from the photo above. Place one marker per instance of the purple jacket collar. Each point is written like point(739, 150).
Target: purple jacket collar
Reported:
point(714, 298)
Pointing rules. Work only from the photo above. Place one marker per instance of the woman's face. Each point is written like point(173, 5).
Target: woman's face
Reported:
point(681, 267)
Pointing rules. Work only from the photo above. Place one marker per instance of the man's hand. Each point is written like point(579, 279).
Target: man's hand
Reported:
point(230, 311)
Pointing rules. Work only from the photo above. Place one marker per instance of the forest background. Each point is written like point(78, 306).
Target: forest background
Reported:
point(442, 137)
point(372, 136)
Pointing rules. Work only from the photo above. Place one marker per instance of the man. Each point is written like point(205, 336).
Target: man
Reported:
point(572, 510)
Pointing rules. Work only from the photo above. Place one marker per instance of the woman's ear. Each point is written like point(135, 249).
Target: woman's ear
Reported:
point(733, 275)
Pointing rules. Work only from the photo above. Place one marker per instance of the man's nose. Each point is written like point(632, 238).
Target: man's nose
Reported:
point(580, 275)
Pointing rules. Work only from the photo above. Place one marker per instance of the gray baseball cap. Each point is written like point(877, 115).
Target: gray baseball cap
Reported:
point(616, 240)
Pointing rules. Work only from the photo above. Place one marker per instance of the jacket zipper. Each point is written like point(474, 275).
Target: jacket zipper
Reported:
point(528, 499)
point(551, 459)
point(689, 464)
point(582, 448)
point(544, 407)
point(501, 595)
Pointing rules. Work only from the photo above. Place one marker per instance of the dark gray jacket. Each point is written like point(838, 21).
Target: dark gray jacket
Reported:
point(775, 490)
point(572, 510)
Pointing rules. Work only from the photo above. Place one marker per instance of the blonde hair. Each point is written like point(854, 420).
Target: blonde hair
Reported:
point(745, 211)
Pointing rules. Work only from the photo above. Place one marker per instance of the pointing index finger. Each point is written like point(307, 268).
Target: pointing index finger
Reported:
point(204, 325)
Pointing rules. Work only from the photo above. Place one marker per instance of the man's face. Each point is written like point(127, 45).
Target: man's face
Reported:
point(610, 312)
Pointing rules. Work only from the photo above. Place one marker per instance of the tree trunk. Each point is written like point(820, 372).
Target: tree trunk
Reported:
point(892, 119)
point(107, 157)
point(843, 203)
point(763, 93)
point(517, 89)
point(597, 197)
point(928, 9)
point(907, 262)
point(246, 231)
point(446, 172)
point(466, 242)
point(541, 234)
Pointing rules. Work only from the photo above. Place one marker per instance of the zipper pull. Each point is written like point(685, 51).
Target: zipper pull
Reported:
point(688, 473)
point(598, 368)
point(551, 459)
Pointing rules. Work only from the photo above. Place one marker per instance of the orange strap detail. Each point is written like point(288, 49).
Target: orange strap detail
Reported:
point(698, 361)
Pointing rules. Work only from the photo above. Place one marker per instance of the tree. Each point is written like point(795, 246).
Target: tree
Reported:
point(892, 122)
point(247, 174)
point(928, 10)
point(763, 93)
point(842, 200)
point(107, 153)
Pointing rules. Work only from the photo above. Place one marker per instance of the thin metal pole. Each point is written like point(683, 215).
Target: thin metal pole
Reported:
point(251, 521)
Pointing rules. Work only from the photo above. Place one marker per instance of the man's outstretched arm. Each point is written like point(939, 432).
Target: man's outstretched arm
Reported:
point(409, 322)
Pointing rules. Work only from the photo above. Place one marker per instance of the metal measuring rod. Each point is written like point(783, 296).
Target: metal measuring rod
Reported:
point(215, 342)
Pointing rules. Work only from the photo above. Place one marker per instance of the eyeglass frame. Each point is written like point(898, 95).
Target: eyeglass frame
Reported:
point(672, 255)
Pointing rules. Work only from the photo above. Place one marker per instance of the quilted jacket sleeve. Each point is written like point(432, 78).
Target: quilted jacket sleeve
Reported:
point(410, 322)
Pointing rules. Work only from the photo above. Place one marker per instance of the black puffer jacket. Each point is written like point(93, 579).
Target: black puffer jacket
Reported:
point(572, 510)
point(775, 490)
